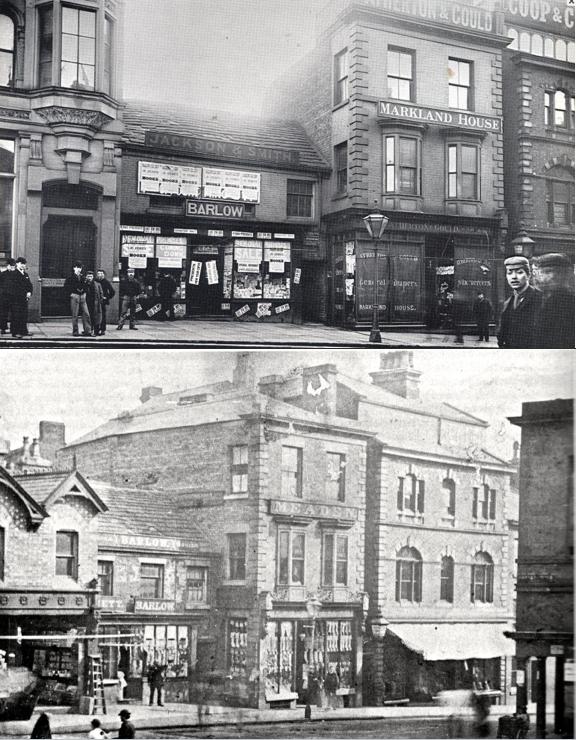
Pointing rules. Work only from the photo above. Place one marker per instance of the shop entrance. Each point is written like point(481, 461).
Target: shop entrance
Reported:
point(439, 281)
point(204, 295)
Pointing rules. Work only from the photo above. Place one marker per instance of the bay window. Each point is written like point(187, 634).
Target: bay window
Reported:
point(78, 43)
point(463, 171)
point(7, 175)
point(335, 560)
point(403, 164)
point(291, 550)
point(7, 48)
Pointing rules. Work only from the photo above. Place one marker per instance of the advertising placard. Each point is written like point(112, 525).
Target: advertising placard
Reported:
point(233, 185)
point(212, 272)
point(157, 178)
point(170, 251)
point(195, 270)
point(137, 245)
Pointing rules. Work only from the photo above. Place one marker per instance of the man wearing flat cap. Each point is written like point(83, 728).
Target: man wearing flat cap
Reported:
point(554, 276)
point(518, 320)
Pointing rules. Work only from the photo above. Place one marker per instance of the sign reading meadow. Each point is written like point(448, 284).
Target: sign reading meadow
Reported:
point(461, 119)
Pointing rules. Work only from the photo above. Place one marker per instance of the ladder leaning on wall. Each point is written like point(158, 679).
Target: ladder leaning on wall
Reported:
point(96, 685)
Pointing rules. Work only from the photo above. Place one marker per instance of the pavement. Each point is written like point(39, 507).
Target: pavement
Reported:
point(203, 332)
point(188, 715)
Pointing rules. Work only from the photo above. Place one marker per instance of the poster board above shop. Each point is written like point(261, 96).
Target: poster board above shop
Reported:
point(211, 183)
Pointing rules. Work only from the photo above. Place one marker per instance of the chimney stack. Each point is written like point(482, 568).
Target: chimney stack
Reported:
point(244, 373)
point(35, 448)
point(52, 438)
point(150, 391)
point(25, 446)
point(397, 374)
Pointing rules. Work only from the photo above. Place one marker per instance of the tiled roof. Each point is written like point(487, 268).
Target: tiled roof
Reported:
point(146, 512)
point(41, 485)
point(140, 116)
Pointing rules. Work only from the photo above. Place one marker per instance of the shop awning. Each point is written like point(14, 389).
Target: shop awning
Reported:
point(455, 641)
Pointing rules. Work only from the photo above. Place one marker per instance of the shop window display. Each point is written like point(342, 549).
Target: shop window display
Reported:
point(237, 647)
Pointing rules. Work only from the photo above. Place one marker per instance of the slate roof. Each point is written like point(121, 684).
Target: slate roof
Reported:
point(140, 116)
point(146, 512)
point(41, 485)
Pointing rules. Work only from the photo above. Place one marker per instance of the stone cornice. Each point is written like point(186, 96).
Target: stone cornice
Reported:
point(59, 116)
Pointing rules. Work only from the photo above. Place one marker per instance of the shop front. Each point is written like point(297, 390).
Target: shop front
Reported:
point(42, 634)
point(426, 270)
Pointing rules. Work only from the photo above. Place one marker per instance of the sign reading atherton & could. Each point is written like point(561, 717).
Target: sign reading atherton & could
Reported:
point(461, 119)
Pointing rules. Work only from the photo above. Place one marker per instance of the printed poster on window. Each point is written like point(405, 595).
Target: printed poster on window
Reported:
point(195, 270)
point(170, 251)
point(231, 185)
point(137, 245)
point(227, 276)
point(248, 255)
point(212, 272)
point(157, 178)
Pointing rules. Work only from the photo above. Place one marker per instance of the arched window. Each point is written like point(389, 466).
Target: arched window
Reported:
point(6, 50)
point(408, 575)
point(513, 36)
point(537, 45)
point(482, 581)
point(447, 579)
point(570, 52)
point(449, 496)
point(525, 42)
point(560, 50)
point(560, 196)
point(548, 47)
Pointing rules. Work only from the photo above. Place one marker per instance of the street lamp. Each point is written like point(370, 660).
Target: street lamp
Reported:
point(523, 244)
point(378, 626)
point(375, 224)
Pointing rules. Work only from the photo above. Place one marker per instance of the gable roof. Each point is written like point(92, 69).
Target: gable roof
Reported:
point(48, 488)
point(35, 510)
point(141, 116)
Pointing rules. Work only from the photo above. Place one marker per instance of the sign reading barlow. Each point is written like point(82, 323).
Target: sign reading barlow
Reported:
point(221, 149)
point(211, 209)
point(439, 116)
point(154, 605)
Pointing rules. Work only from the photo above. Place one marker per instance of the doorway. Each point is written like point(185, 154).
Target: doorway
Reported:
point(204, 298)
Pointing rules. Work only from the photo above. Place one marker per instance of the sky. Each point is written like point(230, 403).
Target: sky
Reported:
point(213, 54)
point(85, 388)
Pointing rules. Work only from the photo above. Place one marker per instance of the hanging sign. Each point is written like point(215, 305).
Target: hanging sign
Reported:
point(212, 272)
point(195, 270)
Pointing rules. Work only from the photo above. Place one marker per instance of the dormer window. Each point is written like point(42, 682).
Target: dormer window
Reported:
point(6, 50)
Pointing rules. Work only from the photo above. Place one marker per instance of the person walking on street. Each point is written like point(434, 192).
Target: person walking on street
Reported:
point(97, 733)
point(75, 287)
point(19, 292)
point(94, 300)
point(42, 727)
point(156, 680)
point(130, 289)
point(108, 293)
point(554, 276)
point(5, 278)
point(127, 729)
point(166, 289)
point(331, 685)
point(483, 312)
point(458, 306)
point(518, 320)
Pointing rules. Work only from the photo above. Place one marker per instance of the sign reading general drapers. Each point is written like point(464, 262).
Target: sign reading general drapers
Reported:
point(439, 116)
point(221, 149)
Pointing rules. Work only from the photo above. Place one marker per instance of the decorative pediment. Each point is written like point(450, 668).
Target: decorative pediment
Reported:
point(75, 485)
point(55, 114)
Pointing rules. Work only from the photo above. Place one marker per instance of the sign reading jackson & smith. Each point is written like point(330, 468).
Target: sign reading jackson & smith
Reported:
point(422, 114)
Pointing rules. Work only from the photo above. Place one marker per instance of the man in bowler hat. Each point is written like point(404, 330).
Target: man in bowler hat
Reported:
point(554, 276)
point(19, 292)
point(518, 319)
point(126, 728)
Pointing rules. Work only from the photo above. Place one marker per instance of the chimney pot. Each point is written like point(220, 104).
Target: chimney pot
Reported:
point(244, 373)
point(397, 374)
point(150, 391)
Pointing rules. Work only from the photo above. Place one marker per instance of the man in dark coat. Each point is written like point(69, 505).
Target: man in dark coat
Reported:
point(126, 729)
point(482, 311)
point(554, 276)
point(75, 287)
point(108, 293)
point(19, 293)
point(166, 288)
point(93, 301)
point(156, 677)
point(130, 289)
point(5, 277)
point(518, 320)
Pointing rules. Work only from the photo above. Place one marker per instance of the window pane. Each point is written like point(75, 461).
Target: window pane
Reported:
point(393, 64)
point(328, 559)
point(560, 100)
point(64, 543)
point(390, 178)
point(452, 71)
point(69, 20)
point(469, 158)
point(86, 76)
point(341, 573)
point(86, 51)
point(452, 186)
point(389, 150)
point(393, 87)
point(468, 186)
point(298, 546)
point(408, 152)
point(463, 98)
point(87, 23)
point(6, 33)
point(240, 455)
point(341, 548)
point(453, 97)
point(283, 545)
point(403, 90)
point(406, 66)
point(452, 150)
point(68, 74)
point(464, 73)
point(69, 48)
point(407, 180)
point(6, 156)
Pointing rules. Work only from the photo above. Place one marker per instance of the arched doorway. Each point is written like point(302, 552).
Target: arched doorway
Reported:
point(69, 233)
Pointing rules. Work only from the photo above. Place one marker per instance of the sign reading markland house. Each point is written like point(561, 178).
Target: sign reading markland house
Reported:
point(221, 149)
point(439, 116)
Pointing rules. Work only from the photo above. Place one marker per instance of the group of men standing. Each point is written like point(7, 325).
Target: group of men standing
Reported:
point(89, 298)
point(15, 292)
point(539, 316)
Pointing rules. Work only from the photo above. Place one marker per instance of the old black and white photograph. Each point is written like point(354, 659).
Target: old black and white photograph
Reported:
point(320, 543)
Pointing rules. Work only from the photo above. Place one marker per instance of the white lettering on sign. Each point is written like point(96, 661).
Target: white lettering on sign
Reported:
point(248, 234)
point(212, 272)
point(264, 235)
point(284, 307)
point(131, 228)
point(154, 310)
point(297, 276)
point(242, 311)
point(450, 13)
point(542, 11)
point(195, 270)
point(185, 231)
point(264, 309)
point(215, 232)
point(141, 605)
point(283, 236)
point(138, 541)
point(438, 116)
point(220, 210)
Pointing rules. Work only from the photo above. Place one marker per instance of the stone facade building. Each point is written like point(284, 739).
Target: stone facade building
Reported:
point(337, 506)
point(539, 126)
point(405, 101)
point(545, 589)
point(59, 136)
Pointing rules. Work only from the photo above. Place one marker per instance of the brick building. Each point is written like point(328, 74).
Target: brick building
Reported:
point(228, 205)
point(545, 589)
point(405, 101)
point(538, 77)
point(48, 552)
point(59, 135)
point(36, 456)
point(333, 501)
